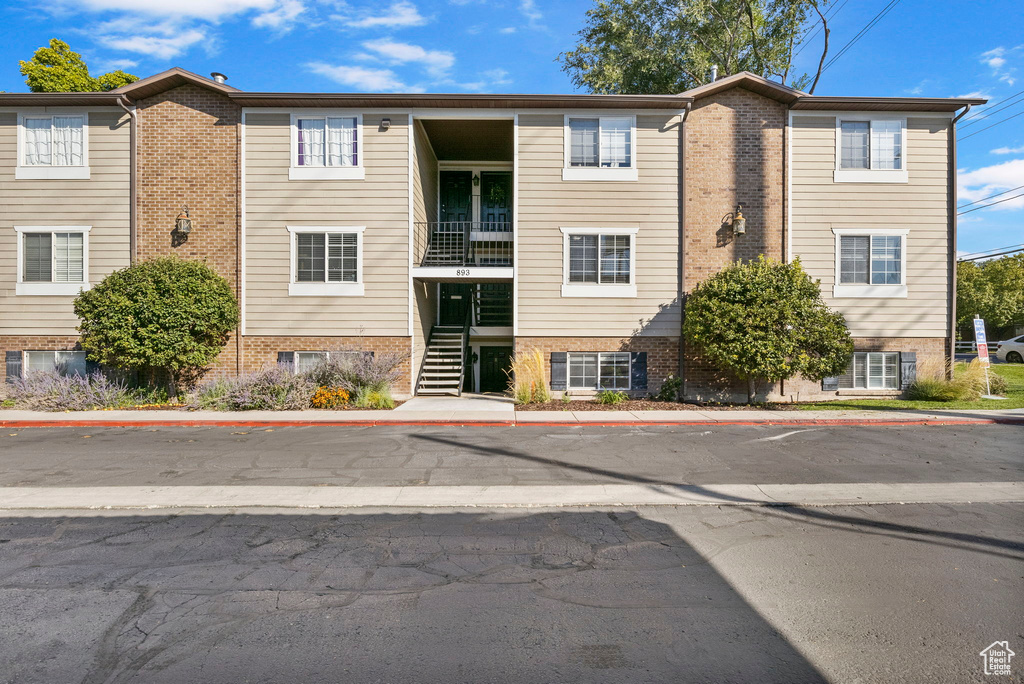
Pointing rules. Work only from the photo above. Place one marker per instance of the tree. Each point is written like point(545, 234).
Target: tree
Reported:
point(58, 69)
point(166, 318)
point(992, 289)
point(766, 320)
point(669, 46)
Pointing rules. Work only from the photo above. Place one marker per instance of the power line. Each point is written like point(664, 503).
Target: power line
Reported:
point(989, 256)
point(984, 252)
point(986, 206)
point(987, 114)
point(992, 126)
point(834, 10)
point(985, 199)
point(871, 24)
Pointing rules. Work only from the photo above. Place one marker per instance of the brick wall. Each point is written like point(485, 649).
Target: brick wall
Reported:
point(188, 153)
point(735, 145)
point(261, 351)
point(662, 352)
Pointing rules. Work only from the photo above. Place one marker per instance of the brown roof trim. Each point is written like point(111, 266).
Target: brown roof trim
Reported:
point(460, 100)
point(886, 104)
point(172, 78)
point(747, 81)
point(57, 99)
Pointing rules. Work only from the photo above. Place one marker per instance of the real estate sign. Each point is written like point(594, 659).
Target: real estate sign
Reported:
point(982, 340)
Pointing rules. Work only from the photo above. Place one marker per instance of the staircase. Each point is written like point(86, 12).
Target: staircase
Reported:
point(443, 366)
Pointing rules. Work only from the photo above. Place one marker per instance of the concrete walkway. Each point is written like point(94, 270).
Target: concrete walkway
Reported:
point(459, 411)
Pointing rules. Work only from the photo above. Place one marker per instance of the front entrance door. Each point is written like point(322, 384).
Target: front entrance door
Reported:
point(494, 361)
point(455, 302)
point(496, 198)
point(456, 196)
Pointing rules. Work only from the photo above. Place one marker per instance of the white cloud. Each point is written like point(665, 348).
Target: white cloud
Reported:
point(974, 95)
point(528, 8)
point(362, 79)
point(154, 46)
point(115, 64)
point(998, 59)
point(436, 62)
point(497, 76)
point(1008, 150)
point(508, 29)
point(282, 18)
point(399, 14)
point(989, 180)
point(210, 10)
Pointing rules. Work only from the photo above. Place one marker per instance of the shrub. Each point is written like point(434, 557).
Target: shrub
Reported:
point(374, 399)
point(611, 397)
point(52, 391)
point(353, 371)
point(527, 380)
point(329, 398)
point(766, 320)
point(273, 389)
point(166, 318)
point(669, 390)
point(967, 384)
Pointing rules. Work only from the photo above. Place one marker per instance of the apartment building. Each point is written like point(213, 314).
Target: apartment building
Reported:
point(459, 229)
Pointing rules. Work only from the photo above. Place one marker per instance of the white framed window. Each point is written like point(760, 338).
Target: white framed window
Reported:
point(871, 150)
point(326, 261)
point(600, 147)
point(870, 263)
point(326, 146)
point(52, 260)
point(305, 361)
point(53, 146)
point(64, 362)
point(599, 262)
point(872, 370)
point(599, 370)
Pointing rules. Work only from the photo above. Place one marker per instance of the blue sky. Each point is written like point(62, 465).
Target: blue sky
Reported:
point(931, 48)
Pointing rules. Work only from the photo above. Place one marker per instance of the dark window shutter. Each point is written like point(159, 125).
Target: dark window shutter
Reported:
point(13, 359)
point(286, 358)
point(638, 370)
point(908, 369)
point(830, 384)
point(559, 370)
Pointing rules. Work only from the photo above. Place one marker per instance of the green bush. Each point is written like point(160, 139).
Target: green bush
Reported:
point(766, 320)
point(669, 390)
point(941, 389)
point(611, 397)
point(374, 398)
point(167, 318)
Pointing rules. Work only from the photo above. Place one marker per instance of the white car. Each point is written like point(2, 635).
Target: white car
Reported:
point(1011, 351)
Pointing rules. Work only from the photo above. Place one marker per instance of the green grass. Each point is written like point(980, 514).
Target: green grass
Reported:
point(1014, 374)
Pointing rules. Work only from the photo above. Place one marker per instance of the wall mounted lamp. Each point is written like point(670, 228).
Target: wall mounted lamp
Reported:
point(183, 224)
point(739, 224)
point(476, 180)
point(385, 124)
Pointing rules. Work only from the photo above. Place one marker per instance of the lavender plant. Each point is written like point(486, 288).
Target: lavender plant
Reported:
point(277, 388)
point(356, 371)
point(54, 391)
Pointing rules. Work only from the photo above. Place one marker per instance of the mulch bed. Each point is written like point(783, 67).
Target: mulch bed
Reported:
point(649, 405)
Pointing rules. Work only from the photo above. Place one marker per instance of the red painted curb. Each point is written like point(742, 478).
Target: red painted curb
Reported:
point(499, 423)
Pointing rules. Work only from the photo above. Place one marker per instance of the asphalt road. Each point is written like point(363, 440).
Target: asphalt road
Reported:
point(863, 594)
point(390, 456)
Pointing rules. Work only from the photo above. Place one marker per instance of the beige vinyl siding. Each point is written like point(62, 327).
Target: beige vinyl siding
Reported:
point(380, 202)
point(547, 203)
point(819, 204)
point(101, 201)
point(424, 193)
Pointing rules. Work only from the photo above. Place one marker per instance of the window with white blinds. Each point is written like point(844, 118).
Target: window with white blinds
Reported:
point(872, 370)
point(600, 259)
point(601, 142)
point(53, 257)
point(599, 370)
point(326, 261)
point(871, 259)
point(871, 150)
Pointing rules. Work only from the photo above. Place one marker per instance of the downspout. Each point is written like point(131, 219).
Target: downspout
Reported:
point(132, 178)
point(951, 202)
point(682, 249)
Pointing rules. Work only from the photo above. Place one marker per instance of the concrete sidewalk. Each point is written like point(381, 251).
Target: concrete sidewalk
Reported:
point(445, 415)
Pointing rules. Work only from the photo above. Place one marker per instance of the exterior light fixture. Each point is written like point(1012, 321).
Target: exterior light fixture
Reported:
point(739, 224)
point(183, 224)
point(476, 180)
point(385, 124)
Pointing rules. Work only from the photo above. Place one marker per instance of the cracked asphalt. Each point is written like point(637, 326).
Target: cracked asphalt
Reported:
point(861, 594)
point(392, 456)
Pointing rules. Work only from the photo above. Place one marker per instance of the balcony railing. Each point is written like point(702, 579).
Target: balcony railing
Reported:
point(463, 243)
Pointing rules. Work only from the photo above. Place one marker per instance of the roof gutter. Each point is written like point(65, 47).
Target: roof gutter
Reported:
point(682, 250)
point(132, 178)
point(951, 204)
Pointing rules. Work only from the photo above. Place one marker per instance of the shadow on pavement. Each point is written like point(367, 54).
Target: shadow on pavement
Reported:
point(447, 598)
point(817, 516)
